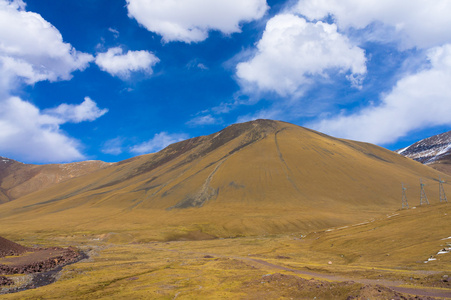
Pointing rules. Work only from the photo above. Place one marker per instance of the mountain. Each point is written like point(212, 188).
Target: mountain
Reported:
point(259, 177)
point(434, 151)
point(18, 179)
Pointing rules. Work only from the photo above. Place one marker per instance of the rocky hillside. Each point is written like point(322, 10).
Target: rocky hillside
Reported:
point(434, 151)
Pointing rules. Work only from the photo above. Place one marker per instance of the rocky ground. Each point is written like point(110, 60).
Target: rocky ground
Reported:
point(9, 248)
point(41, 263)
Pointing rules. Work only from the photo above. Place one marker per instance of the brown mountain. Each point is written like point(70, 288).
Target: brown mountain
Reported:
point(18, 179)
point(252, 178)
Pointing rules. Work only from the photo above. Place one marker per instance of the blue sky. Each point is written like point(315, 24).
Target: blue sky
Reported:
point(108, 80)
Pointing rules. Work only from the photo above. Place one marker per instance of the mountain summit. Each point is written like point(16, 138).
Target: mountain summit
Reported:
point(256, 177)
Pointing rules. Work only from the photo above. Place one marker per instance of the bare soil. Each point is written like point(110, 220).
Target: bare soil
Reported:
point(43, 263)
point(9, 248)
point(290, 286)
point(39, 260)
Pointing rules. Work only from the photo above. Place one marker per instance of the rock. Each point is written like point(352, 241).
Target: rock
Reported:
point(5, 281)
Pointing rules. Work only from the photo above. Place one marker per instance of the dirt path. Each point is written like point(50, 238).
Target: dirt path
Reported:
point(394, 285)
point(32, 257)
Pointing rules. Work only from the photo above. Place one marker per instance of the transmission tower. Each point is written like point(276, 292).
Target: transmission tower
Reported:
point(423, 197)
point(442, 191)
point(404, 197)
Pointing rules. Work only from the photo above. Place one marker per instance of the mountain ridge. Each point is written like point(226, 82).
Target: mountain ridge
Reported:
point(434, 151)
point(258, 177)
point(18, 179)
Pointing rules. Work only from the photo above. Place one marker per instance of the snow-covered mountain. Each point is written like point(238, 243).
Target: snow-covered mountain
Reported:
point(429, 150)
point(434, 151)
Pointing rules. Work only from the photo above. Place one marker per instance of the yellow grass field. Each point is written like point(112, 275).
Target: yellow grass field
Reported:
point(386, 250)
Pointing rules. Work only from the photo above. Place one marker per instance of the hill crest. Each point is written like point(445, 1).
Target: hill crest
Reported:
point(251, 178)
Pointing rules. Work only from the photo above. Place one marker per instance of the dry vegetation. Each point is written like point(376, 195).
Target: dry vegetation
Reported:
point(247, 213)
point(382, 252)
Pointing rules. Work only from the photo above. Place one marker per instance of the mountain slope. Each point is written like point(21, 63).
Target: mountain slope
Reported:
point(434, 151)
point(251, 178)
point(18, 179)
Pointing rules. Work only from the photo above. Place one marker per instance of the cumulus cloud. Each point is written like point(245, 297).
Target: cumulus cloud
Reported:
point(121, 64)
point(158, 142)
point(293, 50)
point(32, 49)
point(191, 20)
point(417, 101)
point(417, 23)
point(32, 135)
point(86, 111)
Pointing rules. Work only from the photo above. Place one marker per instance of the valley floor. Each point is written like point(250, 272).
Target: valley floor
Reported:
point(374, 259)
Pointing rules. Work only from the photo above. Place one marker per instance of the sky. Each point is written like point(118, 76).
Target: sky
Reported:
point(109, 80)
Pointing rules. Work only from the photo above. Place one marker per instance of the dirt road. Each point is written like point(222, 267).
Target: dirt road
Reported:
point(394, 285)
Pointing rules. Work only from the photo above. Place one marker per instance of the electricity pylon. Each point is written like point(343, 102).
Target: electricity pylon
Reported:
point(442, 190)
point(404, 197)
point(423, 197)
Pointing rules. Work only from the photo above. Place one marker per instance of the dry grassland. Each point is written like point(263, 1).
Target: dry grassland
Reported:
point(389, 250)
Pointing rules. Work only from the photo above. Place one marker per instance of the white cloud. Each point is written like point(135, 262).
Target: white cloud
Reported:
point(30, 135)
point(113, 146)
point(190, 20)
point(86, 111)
point(32, 49)
point(417, 101)
point(420, 23)
point(115, 62)
point(204, 120)
point(158, 142)
point(115, 32)
point(292, 50)
point(202, 66)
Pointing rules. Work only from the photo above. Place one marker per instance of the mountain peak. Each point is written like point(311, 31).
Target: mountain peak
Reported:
point(261, 176)
point(429, 150)
point(5, 160)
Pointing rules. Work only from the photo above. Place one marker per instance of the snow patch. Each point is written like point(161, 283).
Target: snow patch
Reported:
point(392, 215)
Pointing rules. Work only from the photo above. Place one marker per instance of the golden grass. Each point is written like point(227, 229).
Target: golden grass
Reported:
point(122, 268)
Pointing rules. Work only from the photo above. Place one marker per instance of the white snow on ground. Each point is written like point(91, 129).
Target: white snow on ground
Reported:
point(443, 251)
point(402, 150)
point(430, 148)
point(361, 224)
point(392, 215)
